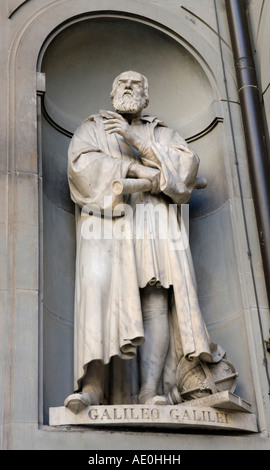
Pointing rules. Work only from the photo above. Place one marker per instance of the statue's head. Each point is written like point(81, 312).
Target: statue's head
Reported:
point(130, 93)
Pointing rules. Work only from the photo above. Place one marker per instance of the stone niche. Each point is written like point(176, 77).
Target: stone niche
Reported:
point(80, 63)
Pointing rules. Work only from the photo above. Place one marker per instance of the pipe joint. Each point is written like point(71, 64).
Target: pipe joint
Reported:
point(244, 63)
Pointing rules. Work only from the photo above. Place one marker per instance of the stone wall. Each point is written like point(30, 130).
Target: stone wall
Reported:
point(52, 56)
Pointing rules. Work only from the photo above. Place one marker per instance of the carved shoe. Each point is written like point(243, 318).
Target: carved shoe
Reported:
point(156, 400)
point(148, 399)
point(78, 401)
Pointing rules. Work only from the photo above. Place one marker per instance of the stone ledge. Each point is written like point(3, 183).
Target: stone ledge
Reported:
point(189, 415)
point(225, 400)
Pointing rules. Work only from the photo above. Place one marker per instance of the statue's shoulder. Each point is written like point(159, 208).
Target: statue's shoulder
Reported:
point(153, 120)
point(88, 126)
point(97, 117)
point(93, 118)
point(89, 123)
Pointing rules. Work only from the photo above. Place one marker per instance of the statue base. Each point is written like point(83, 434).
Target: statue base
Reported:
point(221, 411)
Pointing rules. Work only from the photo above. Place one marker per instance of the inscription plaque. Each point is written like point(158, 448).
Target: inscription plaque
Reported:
point(179, 416)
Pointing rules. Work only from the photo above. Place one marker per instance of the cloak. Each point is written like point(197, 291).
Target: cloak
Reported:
point(117, 254)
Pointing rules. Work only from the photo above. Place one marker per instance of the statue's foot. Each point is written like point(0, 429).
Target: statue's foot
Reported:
point(78, 401)
point(157, 400)
point(153, 400)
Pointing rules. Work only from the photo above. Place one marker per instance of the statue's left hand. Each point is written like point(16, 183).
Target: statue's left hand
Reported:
point(117, 124)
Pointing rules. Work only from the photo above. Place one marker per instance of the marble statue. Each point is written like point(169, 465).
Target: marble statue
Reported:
point(135, 293)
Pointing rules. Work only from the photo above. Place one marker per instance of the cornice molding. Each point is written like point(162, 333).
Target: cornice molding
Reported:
point(69, 134)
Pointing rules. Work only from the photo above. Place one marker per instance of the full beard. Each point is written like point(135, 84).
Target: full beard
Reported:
point(127, 104)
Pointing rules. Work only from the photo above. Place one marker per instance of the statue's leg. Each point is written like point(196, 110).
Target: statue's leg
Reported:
point(154, 350)
point(93, 382)
point(92, 389)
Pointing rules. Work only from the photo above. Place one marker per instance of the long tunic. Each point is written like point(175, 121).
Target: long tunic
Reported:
point(117, 253)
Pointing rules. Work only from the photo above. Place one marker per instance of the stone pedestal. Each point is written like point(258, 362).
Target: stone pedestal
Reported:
point(222, 411)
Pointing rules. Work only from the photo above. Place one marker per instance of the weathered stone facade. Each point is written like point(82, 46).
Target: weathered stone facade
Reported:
point(53, 55)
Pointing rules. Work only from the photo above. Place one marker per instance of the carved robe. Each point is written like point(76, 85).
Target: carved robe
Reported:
point(111, 270)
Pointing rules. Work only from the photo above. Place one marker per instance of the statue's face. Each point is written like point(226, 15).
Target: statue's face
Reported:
point(129, 95)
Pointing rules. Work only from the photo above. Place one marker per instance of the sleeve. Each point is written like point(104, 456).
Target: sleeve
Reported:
point(177, 163)
point(91, 170)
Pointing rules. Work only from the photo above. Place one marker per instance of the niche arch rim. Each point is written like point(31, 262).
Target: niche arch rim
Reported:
point(201, 121)
point(166, 30)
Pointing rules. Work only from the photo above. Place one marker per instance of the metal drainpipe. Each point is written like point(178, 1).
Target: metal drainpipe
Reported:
point(257, 154)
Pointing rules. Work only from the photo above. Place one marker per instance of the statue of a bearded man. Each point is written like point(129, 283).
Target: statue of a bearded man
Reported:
point(135, 293)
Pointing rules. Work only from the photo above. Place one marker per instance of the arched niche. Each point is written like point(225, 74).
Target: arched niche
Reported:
point(80, 63)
